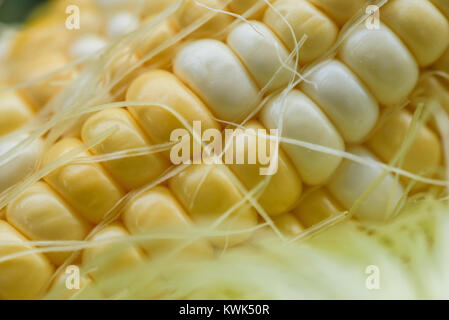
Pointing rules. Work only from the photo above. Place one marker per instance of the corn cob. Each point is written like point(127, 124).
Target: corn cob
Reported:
point(221, 77)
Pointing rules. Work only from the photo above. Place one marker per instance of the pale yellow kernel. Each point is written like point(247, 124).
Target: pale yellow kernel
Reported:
point(157, 211)
point(424, 154)
point(153, 87)
point(304, 19)
point(420, 25)
point(108, 260)
point(191, 13)
point(22, 277)
point(339, 10)
point(344, 98)
point(212, 70)
point(383, 62)
point(48, 65)
point(283, 187)
point(65, 285)
point(14, 111)
point(130, 172)
point(208, 192)
point(288, 224)
point(249, 40)
point(302, 121)
point(86, 187)
point(41, 215)
point(381, 191)
point(443, 5)
point(316, 206)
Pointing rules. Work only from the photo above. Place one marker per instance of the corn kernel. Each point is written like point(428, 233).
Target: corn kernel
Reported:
point(380, 59)
point(424, 153)
point(152, 87)
point(443, 5)
point(130, 172)
point(242, 6)
point(303, 120)
point(41, 215)
point(207, 192)
point(212, 70)
point(304, 19)
point(249, 41)
point(43, 64)
point(352, 180)
point(316, 206)
point(23, 277)
point(288, 224)
point(118, 255)
point(191, 13)
point(340, 94)
point(60, 290)
point(340, 11)
point(420, 25)
point(157, 210)
point(284, 187)
point(155, 38)
point(14, 168)
point(86, 187)
point(14, 112)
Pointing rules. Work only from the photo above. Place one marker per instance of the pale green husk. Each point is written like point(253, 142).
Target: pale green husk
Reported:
point(411, 254)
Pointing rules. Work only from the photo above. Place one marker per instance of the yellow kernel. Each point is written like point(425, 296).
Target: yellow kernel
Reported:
point(316, 206)
point(288, 224)
point(424, 154)
point(284, 187)
point(130, 172)
point(152, 87)
point(157, 210)
point(14, 111)
point(420, 25)
point(22, 277)
point(111, 258)
point(340, 11)
point(41, 215)
point(86, 187)
point(208, 192)
point(304, 19)
point(191, 13)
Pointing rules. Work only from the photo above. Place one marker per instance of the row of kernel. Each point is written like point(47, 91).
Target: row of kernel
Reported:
point(192, 75)
point(51, 33)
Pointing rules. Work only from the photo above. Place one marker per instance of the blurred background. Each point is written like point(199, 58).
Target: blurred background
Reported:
point(16, 11)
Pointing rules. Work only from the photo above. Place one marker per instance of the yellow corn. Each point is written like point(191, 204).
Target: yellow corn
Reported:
point(129, 172)
point(316, 206)
point(220, 75)
point(87, 187)
point(23, 277)
point(14, 112)
point(157, 209)
point(40, 214)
